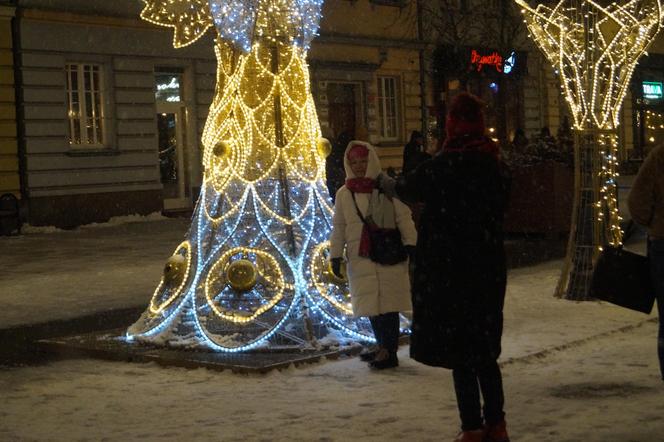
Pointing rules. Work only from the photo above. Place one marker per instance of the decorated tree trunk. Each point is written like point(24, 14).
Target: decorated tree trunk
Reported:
point(253, 270)
point(594, 47)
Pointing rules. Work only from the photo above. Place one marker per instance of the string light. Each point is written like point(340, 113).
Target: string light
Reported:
point(272, 287)
point(157, 307)
point(264, 209)
point(654, 121)
point(595, 48)
point(190, 19)
point(607, 206)
point(323, 283)
point(252, 155)
point(245, 21)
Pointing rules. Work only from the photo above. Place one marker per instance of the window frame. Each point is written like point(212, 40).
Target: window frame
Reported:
point(99, 110)
point(382, 105)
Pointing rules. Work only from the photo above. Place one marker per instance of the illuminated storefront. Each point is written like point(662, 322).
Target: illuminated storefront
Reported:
point(495, 77)
point(648, 93)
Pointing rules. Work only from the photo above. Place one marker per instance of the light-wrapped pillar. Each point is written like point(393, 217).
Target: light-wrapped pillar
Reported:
point(594, 46)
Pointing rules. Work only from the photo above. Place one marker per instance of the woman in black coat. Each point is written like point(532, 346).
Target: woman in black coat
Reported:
point(460, 270)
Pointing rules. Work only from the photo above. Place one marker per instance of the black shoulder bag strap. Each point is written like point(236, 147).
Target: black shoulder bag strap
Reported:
point(364, 221)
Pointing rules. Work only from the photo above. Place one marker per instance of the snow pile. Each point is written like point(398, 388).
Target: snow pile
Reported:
point(119, 220)
point(28, 229)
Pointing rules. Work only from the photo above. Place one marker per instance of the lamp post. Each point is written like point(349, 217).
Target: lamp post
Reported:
point(594, 46)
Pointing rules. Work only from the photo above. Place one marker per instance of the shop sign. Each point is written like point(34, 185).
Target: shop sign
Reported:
point(493, 60)
point(652, 90)
point(510, 63)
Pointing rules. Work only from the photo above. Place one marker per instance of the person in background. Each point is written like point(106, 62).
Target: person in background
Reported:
point(460, 267)
point(377, 291)
point(545, 135)
point(412, 152)
point(520, 141)
point(334, 164)
point(546, 146)
point(361, 133)
point(516, 151)
point(646, 205)
point(566, 141)
point(431, 148)
point(434, 143)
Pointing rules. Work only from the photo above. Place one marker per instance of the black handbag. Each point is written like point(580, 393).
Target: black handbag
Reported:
point(623, 278)
point(386, 247)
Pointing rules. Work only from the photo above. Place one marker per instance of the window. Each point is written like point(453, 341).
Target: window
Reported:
point(169, 84)
point(85, 108)
point(388, 108)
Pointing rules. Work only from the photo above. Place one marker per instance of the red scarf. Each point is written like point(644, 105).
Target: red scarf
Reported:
point(362, 185)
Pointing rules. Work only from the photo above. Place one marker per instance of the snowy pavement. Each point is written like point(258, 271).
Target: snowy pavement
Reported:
point(573, 371)
point(606, 389)
point(67, 274)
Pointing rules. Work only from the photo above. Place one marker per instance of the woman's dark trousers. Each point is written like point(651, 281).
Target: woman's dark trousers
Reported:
point(468, 382)
point(386, 330)
point(656, 255)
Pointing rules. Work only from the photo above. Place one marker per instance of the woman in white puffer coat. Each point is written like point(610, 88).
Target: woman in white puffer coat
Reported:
point(377, 291)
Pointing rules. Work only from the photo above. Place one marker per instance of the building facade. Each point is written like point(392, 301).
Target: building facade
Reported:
point(9, 159)
point(647, 104)
point(490, 55)
point(482, 47)
point(503, 79)
point(367, 74)
point(112, 114)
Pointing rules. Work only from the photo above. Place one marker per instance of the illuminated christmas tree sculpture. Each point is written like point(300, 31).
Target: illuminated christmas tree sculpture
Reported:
point(253, 270)
point(594, 46)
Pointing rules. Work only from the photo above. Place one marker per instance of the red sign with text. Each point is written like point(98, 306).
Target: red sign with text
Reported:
point(493, 60)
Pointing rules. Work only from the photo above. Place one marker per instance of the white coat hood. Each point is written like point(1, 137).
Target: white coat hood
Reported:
point(373, 169)
point(375, 289)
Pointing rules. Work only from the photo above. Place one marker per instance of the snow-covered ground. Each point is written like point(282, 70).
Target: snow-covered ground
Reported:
point(69, 274)
point(65, 274)
point(573, 371)
point(606, 389)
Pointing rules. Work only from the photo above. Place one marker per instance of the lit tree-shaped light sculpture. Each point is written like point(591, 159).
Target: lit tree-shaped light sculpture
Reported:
point(253, 270)
point(594, 46)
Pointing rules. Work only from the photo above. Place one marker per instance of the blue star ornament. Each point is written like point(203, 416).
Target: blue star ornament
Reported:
point(244, 21)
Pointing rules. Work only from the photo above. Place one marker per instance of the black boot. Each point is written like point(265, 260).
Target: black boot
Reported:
point(384, 359)
point(369, 354)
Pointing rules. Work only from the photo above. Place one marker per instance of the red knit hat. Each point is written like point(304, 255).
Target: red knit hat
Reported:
point(357, 151)
point(466, 116)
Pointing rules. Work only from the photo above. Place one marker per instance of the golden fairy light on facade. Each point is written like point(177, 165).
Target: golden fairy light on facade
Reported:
point(594, 47)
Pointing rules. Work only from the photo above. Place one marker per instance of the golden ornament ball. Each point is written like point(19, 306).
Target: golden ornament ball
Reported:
point(324, 147)
point(242, 274)
point(174, 270)
point(221, 149)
